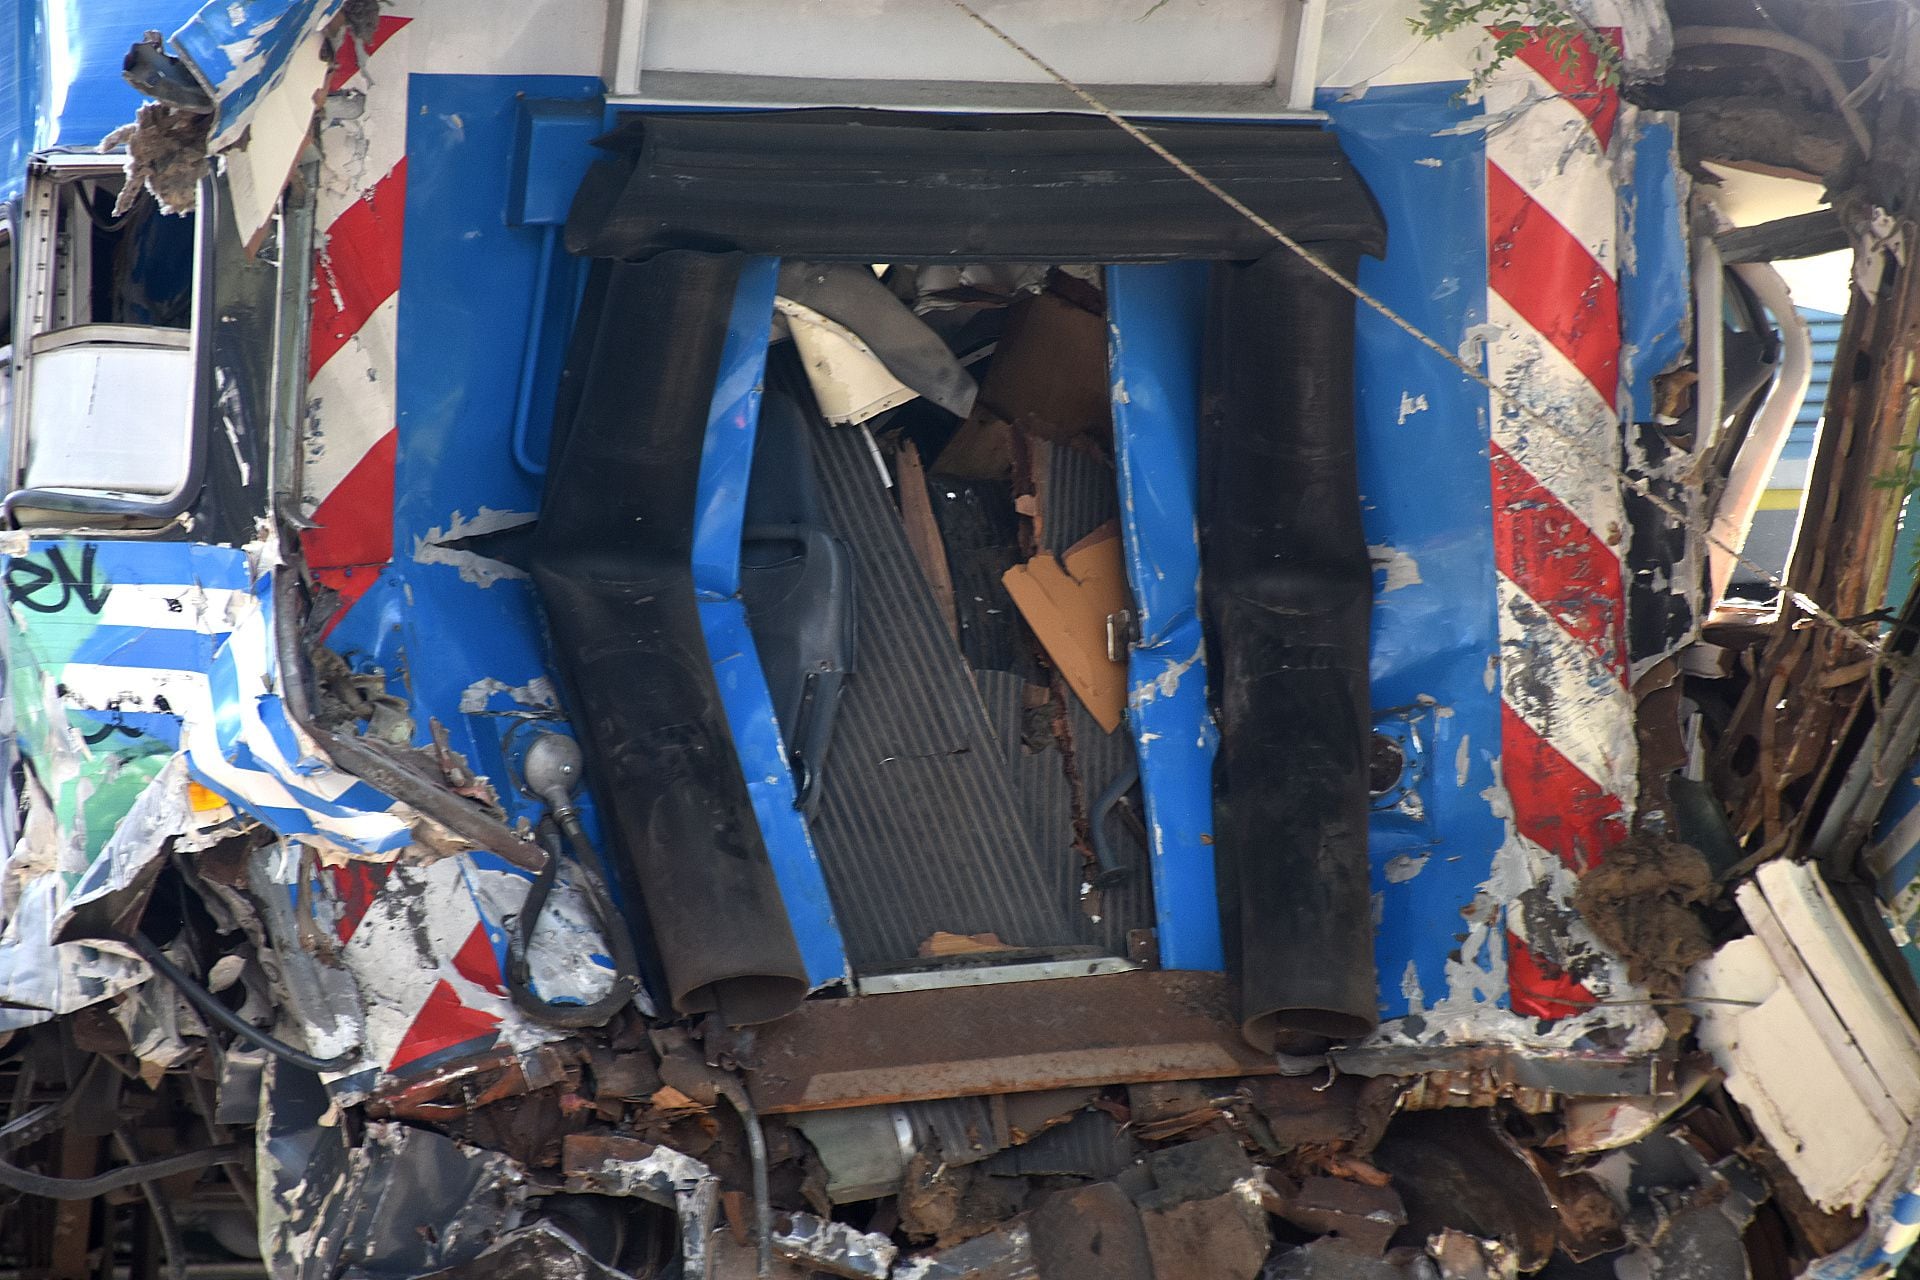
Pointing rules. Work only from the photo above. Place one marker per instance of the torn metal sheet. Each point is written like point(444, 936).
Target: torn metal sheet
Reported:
point(330, 1203)
point(1665, 591)
point(1002, 1254)
point(404, 960)
point(151, 647)
point(852, 297)
point(538, 1251)
point(627, 1167)
point(111, 892)
point(833, 1247)
point(240, 54)
point(848, 379)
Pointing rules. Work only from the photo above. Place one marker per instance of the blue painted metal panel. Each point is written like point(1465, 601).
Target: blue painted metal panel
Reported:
point(457, 381)
point(726, 457)
point(240, 52)
point(462, 642)
point(1656, 280)
point(1427, 502)
point(726, 465)
point(22, 75)
point(1156, 319)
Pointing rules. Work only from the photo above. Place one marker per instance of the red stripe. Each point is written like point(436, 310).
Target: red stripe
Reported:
point(356, 884)
point(1577, 80)
point(1551, 279)
point(353, 534)
point(477, 962)
point(1541, 990)
point(346, 61)
point(1551, 554)
point(358, 266)
point(443, 1023)
point(1555, 804)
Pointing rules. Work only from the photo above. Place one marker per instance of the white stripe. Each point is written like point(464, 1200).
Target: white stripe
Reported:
point(1562, 690)
point(1549, 150)
point(91, 686)
point(1576, 461)
point(356, 152)
point(350, 404)
point(169, 607)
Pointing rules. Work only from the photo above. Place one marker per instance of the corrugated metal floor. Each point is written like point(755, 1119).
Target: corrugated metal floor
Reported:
point(919, 827)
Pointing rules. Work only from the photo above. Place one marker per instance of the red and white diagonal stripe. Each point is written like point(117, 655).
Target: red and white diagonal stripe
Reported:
point(1560, 528)
point(422, 942)
point(351, 412)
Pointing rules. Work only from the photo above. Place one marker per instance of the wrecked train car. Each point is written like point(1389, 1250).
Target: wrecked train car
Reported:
point(691, 640)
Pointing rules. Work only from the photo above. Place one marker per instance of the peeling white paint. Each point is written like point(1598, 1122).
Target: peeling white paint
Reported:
point(1402, 867)
point(1462, 760)
point(1401, 568)
point(431, 548)
point(1167, 683)
point(1410, 405)
point(537, 694)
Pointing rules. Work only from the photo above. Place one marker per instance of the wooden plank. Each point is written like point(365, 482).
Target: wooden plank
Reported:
point(923, 532)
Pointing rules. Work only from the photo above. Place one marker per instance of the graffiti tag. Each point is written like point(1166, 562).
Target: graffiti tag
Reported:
point(55, 585)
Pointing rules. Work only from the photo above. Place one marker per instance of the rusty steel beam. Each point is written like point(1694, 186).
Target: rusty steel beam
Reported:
point(1011, 1038)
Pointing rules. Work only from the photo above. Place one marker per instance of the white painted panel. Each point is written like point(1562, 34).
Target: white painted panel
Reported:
point(1852, 985)
point(110, 418)
point(1200, 57)
point(1789, 1076)
point(1093, 41)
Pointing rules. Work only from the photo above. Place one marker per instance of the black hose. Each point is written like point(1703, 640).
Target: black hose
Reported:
point(209, 1005)
point(38, 1184)
point(626, 966)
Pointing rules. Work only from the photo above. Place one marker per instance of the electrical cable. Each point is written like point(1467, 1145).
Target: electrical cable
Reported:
point(49, 1188)
point(209, 1005)
point(626, 966)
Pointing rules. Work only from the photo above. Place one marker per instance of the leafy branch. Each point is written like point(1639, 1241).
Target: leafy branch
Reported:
point(1514, 24)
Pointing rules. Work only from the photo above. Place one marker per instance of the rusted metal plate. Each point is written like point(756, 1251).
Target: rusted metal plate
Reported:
point(1014, 1038)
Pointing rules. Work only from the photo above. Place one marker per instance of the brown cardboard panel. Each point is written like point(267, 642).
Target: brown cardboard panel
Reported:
point(1067, 602)
point(982, 449)
point(1049, 373)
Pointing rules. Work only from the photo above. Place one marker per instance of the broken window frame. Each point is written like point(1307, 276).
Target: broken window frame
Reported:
point(55, 510)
